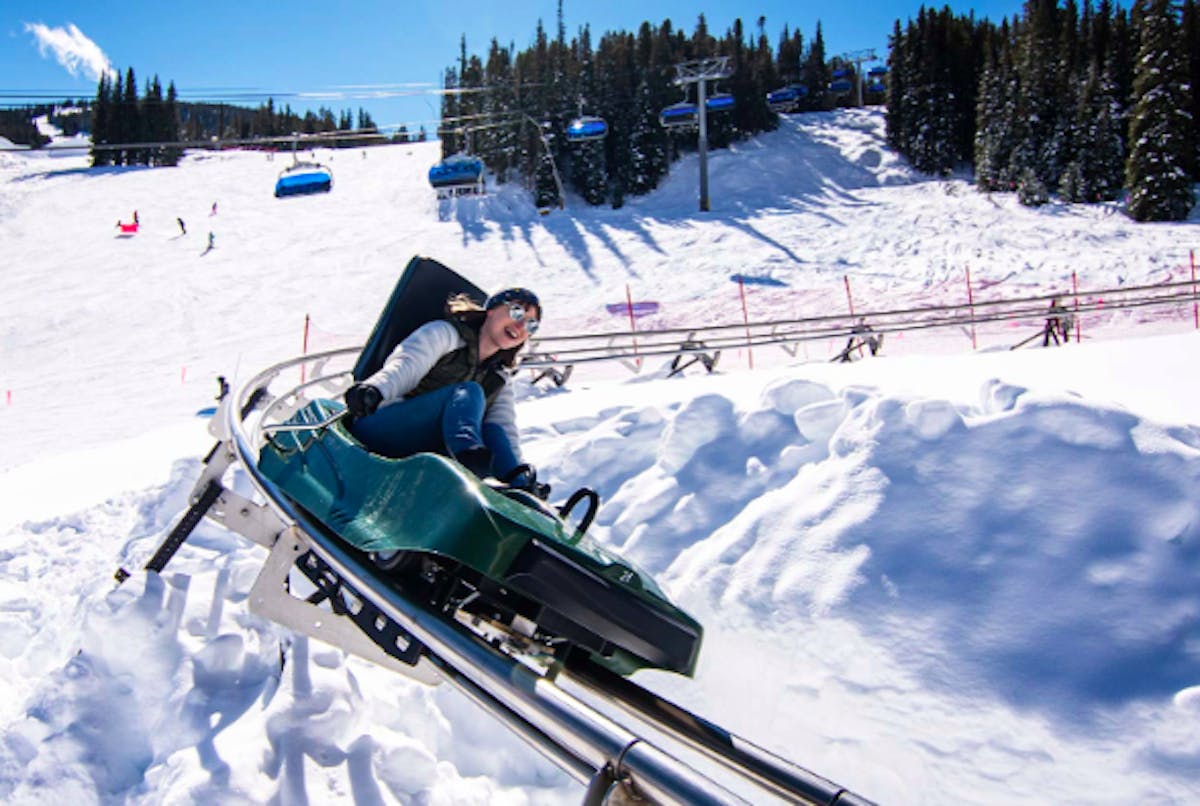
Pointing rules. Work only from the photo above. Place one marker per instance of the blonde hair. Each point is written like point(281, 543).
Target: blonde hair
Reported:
point(462, 303)
point(467, 309)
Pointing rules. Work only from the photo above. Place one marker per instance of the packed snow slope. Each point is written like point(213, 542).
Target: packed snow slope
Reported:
point(938, 575)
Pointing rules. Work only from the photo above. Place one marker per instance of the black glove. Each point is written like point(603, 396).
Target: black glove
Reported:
point(362, 399)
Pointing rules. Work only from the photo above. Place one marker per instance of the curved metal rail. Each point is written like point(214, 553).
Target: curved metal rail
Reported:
point(593, 748)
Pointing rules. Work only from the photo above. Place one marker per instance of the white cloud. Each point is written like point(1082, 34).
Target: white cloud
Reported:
point(72, 49)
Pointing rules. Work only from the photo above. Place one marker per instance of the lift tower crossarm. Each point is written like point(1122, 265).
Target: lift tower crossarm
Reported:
point(858, 57)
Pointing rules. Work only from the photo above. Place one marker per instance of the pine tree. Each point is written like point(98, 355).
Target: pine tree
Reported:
point(102, 122)
point(1038, 107)
point(1190, 22)
point(1031, 191)
point(1160, 133)
point(588, 169)
point(498, 145)
point(171, 125)
point(995, 134)
point(1119, 63)
point(894, 122)
point(1100, 147)
point(452, 141)
point(815, 74)
point(648, 157)
point(788, 55)
point(128, 122)
point(763, 79)
point(616, 71)
point(1069, 73)
point(152, 122)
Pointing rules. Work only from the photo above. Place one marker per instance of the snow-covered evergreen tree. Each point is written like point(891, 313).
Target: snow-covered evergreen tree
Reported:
point(1190, 20)
point(1099, 147)
point(995, 131)
point(1160, 131)
point(1039, 106)
point(896, 89)
point(1031, 191)
point(648, 144)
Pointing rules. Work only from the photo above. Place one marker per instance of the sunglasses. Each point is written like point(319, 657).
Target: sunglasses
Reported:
point(516, 312)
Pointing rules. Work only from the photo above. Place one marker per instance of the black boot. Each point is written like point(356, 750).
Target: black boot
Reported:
point(477, 460)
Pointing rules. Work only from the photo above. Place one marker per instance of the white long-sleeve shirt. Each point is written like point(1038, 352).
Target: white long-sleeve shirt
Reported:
point(414, 357)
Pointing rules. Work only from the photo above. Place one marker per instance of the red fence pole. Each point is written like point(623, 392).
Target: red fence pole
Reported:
point(746, 319)
point(971, 303)
point(849, 299)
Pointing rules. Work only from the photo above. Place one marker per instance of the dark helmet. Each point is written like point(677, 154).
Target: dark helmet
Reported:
point(522, 295)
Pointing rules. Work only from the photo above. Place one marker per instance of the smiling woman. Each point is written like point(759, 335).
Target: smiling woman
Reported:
point(444, 388)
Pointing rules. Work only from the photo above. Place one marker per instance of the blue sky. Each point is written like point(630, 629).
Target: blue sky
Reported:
point(219, 47)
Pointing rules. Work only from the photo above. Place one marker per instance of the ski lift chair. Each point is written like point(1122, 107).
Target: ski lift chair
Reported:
point(587, 128)
point(678, 116)
point(457, 175)
point(721, 102)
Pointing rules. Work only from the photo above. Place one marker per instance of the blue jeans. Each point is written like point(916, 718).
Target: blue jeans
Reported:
point(448, 421)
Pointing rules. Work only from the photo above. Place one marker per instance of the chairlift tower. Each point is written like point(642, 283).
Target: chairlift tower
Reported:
point(858, 57)
point(549, 156)
point(699, 72)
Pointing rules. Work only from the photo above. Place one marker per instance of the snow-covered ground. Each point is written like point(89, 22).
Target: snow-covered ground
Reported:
point(939, 575)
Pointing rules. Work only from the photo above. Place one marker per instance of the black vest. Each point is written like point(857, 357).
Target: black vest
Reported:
point(463, 364)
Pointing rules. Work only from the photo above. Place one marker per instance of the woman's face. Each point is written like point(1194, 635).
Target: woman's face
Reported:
point(505, 331)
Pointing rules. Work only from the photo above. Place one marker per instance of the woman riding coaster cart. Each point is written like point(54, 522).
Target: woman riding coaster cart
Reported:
point(445, 389)
point(470, 537)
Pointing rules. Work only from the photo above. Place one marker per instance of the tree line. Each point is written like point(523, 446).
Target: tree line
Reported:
point(512, 108)
point(120, 119)
point(1086, 103)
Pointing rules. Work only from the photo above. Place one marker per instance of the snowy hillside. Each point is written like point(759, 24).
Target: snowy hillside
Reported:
point(938, 575)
